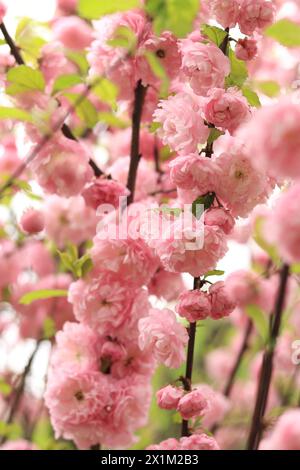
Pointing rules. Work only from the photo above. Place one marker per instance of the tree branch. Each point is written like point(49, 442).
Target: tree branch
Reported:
point(187, 380)
point(139, 99)
point(65, 128)
point(267, 364)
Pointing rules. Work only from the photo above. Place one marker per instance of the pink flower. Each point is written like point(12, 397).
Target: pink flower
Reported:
point(103, 191)
point(168, 397)
point(2, 11)
point(273, 135)
point(62, 167)
point(102, 301)
point(255, 15)
point(204, 65)
point(225, 11)
point(226, 109)
point(168, 444)
point(186, 251)
point(246, 49)
point(192, 404)
point(283, 228)
point(218, 407)
point(285, 434)
point(220, 217)
point(194, 171)
point(194, 305)
point(63, 220)
point(73, 32)
point(166, 285)
point(182, 128)
point(68, 6)
point(198, 442)
point(32, 221)
point(161, 333)
point(165, 49)
point(241, 186)
point(221, 303)
point(10, 263)
point(131, 259)
point(54, 63)
point(19, 444)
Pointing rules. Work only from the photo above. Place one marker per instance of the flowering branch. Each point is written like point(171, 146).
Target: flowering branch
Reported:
point(187, 380)
point(65, 128)
point(267, 364)
point(139, 98)
point(19, 391)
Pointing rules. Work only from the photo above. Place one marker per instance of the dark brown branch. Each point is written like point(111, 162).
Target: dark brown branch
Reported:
point(20, 389)
point(267, 364)
point(187, 380)
point(224, 45)
point(139, 98)
point(243, 349)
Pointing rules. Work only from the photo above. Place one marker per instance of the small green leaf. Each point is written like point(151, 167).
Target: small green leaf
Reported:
point(269, 88)
point(176, 211)
point(173, 15)
point(66, 81)
point(49, 329)
point(124, 37)
point(42, 294)
point(154, 126)
point(260, 240)
point(85, 110)
point(112, 120)
point(238, 73)
point(14, 113)
point(107, 92)
point(94, 9)
point(160, 72)
point(286, 32)
point(5, 388)
point(23, 79)
point(79, 59)
point(259, 319)
point(214, 135)
point(295, 268)
point(215, 272)
point(215, 34)
point(251, 96)
point(202, 203)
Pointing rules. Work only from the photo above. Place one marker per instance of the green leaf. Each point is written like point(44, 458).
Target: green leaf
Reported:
point(94, 9)
point(84, 109)
point(160, 72)
point(23, 79)
point(42, 294)
point(79, 59)
point(215, 272)
point(251, 96)
point(107, 92)
point(216, 35)
point(214, 135)
point(205, 202)
point(269, 88)
point(66, 81)
point(286, 32)
point(238, 73)
point(260, 240)
point(14, 113)
point(295, 268)
point(176, 211)
point(173, 15)
point(30, 37)
point(49, 329)
point(124, 37)
point(10, 431)
point(259, 319)
point(5, 388)
point(112, 120)
point(154, 126)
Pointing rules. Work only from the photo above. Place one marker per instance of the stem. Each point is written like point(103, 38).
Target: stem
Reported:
point(139, 98)
point(187, 380)
point(243, 349)
point(224, 44)
point(267, 365)
point(19, 391)
point(65, 128)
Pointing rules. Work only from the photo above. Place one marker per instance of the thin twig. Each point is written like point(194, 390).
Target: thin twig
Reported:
point(267, 365)
point(139, 98)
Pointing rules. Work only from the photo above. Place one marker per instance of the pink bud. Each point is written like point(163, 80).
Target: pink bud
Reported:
point(246, 49)
point(2, 11)
point(192, 404)
point(168, 397)
point(32, 221)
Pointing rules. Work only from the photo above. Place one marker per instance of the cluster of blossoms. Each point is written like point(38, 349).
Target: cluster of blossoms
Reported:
point(107, 278)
